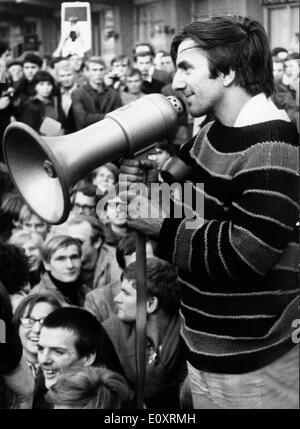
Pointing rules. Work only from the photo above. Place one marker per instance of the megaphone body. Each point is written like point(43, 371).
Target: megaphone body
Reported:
point(44, 169)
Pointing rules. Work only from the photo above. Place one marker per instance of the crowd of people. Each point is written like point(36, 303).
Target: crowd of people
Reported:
point(215, 304)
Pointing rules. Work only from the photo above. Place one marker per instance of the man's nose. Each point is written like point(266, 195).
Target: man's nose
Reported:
point(178, 83)
point(27, 252)
point(44, 357)
point(117, 298)
point(70, 263)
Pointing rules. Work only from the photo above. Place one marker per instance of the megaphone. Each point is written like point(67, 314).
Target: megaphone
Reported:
point(44, 169)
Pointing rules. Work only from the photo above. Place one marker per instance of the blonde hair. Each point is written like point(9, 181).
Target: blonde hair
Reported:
point(90, 388)
point(19, 238)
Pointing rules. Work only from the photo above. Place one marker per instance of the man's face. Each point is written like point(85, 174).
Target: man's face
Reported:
point(65, 264)
point(143, 64)
point(134, 84)
point(75, 62)
point(126, 301)
point(36, 224)
point(202, 93)
point(83, 204)
point(166, 64)
point(292, 68)
point(33, 254)
point(114, 212)
point(30, 69)
point(120, 67)
point(56, 352)
point(16, 72)
point(104, 179)
point(95, 73)
point(66, 78)
point(278, 71)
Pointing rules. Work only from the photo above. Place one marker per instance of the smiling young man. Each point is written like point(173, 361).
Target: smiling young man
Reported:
point(238, 266)
point(62, 262)
point(71, 337)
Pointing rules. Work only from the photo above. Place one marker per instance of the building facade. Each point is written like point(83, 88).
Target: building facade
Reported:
point(118, 24)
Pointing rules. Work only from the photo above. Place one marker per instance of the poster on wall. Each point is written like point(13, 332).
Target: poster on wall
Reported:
point(76, 31)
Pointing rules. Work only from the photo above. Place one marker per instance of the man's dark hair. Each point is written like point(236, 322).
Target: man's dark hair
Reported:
point(84, 325)
point(31, 57)
point(13, 268)
point(120, 58)
point(143, 54)
point(149, 50)
point(233, 42)
point(133, 72)
point(161, 281)
point(88, 190)
point(277, 51)
point(126, 246)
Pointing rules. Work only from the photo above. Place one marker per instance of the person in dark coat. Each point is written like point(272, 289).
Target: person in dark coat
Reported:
point(94, 100)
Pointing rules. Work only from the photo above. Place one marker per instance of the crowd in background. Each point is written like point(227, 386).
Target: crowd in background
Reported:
point(72, 287)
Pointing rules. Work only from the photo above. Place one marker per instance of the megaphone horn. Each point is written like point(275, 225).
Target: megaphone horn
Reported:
point(44, 169)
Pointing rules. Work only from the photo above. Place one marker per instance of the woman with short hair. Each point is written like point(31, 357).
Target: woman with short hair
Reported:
point(28, 319)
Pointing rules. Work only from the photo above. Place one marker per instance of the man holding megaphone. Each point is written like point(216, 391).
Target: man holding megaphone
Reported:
point(238, 261)
point(237, 265)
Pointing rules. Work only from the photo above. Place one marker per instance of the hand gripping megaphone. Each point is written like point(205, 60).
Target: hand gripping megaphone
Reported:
point(44, 169)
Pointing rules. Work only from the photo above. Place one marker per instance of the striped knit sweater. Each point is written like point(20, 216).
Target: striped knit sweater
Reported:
point(239, 269)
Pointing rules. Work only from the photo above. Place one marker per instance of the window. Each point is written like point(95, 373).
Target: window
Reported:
point(286, 18)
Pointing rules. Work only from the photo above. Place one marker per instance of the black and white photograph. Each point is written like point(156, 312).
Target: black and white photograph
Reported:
point(149, 207)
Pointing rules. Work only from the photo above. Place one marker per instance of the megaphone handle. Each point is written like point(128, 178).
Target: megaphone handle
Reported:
point(141, 318)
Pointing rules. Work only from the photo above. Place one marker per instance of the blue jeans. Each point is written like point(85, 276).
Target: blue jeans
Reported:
point(276, 386)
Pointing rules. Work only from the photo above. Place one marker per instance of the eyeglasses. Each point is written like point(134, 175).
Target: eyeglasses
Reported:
point(84, 207)
point(29, 322)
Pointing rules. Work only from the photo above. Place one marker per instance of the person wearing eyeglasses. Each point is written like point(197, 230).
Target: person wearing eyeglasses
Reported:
point(84, 200)
point(94, 100)
point(28, 319)
point(62, 261)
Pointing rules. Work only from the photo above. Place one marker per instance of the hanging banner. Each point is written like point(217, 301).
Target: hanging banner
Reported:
point(76, 29)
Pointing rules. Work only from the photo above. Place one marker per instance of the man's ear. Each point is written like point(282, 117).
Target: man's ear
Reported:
point(97, 244)
point(46, 265)
point(88, 360)
point(152, 304)
point(228, 78)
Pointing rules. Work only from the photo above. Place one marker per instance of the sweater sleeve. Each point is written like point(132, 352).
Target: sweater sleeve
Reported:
point(256, 227)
